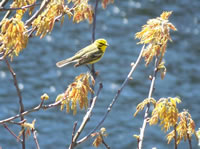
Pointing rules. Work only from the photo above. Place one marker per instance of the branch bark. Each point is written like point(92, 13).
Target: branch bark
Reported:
point(146, 115)
point(85, 120)
point(12, 133)
point(115, 98)
point(3, 2)
point(40, 106)
point(21, 110)
point(35, 139)
point(93, 72)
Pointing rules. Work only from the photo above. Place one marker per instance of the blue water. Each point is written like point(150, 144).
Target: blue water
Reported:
point(37, 74)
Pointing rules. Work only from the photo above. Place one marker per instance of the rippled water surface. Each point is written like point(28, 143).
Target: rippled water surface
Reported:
point(37, 74)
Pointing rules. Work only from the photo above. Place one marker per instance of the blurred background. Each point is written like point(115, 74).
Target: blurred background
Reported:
point(37, 74)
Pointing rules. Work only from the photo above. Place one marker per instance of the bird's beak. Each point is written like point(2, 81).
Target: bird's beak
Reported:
point(107, 44)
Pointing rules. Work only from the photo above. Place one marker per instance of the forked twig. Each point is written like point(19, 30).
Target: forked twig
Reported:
point(85, 119)
point(115, 98)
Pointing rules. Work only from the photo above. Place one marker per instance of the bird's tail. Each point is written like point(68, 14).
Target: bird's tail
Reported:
point(65, 62)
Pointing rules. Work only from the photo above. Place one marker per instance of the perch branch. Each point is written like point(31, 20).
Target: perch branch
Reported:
point(93, 72)
point(115, 98)
point(40, 106)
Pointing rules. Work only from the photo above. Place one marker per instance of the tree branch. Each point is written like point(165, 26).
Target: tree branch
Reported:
point(3, 2)
point(40, 106)
point(35, 138)
point(93, 72)
point(20, 98)
point(85, 119)
point(175, 138)
point(115, 98)
point(74, 130)
point(94, 20)
point(12, 133)
point(104, 143)
point(146, 115)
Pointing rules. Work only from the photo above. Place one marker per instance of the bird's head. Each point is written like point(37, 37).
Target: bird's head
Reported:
point(101, 44)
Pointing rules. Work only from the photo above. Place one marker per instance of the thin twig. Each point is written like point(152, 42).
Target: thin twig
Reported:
point(73, 133)
point(104, 143)
point(17, 123)
point(188, 137)
point(35, 138)
point(3, 2)
point(40, 106)
point(37, 13)
point(23, 7)
point(74, 129)
point(12, 133)
point(93, 72)
point(142, 130)
point(94, 20)
point(175, 138)
point(85, 119)
point(189, 141)
point(115, 98)
point(20, 98)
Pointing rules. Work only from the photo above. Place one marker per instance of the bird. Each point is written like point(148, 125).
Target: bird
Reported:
point(88, 55)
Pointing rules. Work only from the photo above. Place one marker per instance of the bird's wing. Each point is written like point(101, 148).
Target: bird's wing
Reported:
point(85, 50)
point(89, 57)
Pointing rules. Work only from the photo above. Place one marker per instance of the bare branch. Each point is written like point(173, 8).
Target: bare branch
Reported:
point(3, 2)
point(12, 133)
point(94, 21)
point(115, 98)
point(40, 106)
point(35, 138)
point(73, 133)
point(17, 123)
point(104, 143)
point(175, 138)
point(146, 115)
point(93, 72)
point(20, 98)
point(85, 119)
